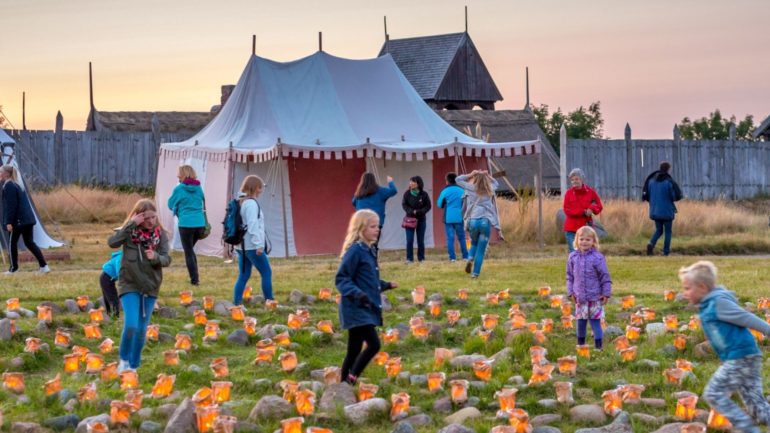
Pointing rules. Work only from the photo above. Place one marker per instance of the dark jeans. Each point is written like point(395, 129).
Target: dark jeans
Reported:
point(355, 360)
point(109, 294)
point(596, 327)
point(25, 232)
point(189, 236)
point(660, 227)
point(421, 225)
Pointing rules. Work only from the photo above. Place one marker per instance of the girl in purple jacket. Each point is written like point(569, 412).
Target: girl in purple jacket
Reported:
point(588, 284)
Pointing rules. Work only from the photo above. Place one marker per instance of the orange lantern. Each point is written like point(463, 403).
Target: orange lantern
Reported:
point(556, 301)
point(325, 294)
point(208, 303)
point(613, 402)
point(567, 365)
point(519, 420)
point(418, 295)
point(381, 358)
point(82, 302)
point(199, 317)
point(96, 315)
point(304, 401)
point(694, 323)
point(683, 364)
point(97, 427)
point(211, 331)
point(205, 416)
point(674, 376)
point(332, 375)
point(134, 398)
point(399, 405)
point(87, 392)
point(435, 308)
point(507, 399)
point(81, 352)
point(71, 363)
point(219, 367)
point(452, 316)
point(672, 323)
point(436, 381)
point(12, 304)
point(566, 308)
point(421, 332)
point(288, 361)
point(152, 332)
point(391, 336)
point(416, 321)
point(633, 333)
point(462, 294)
point(237, 313)
point(292, 425)
point(532, 326)
point(266, 344)
point(504, 294)
point(669, 295)
point(366, 391)
point(325, 326)
point(763, 303)
point(53, 386)
point(247, 293)
point(489, 321)
point(717, 421)
point(318, 430)
point(680, 342)
point(493, 299)
point(583, 351)
point(32, 344)
point(163, 385)
point(459, 390)
point(693, 427)
point(282, 339)
point(44, 313)
point(92, 331)
point(264, 356)
point(185, 297)
point(564, 392)
point(636, 319)
point(183, 342)
point(547, 325)
point(203, 397)
point(128, 379)
point(685, 408)
point(484, 335)
point(483, 370)
point(250, 325)
point(271, 304)
point(221, 391)
point(567, 322)
point(225, 424)
point(14, 382)
point(440, 355)
point(518, 320)
point(539, 337)
point(544, 291)
point(393, 366)
point(294, 321)
point(94, 363)
point(628, 354)
point(120, 413)
point(537, 355)
point(621, 343)
point(289, 388)
point(170, 357)
point(632, 393)
point(106, 346)
point(648, 314)
point(109, 372)
point(627, 302)
point(540, 374)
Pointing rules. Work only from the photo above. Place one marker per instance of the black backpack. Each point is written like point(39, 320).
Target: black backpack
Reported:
point(234, 228)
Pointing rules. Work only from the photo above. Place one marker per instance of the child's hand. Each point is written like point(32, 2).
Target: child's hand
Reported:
point(393, 285)
point(573, 298)
point(150, 254)
point(389, 179)
point(604, 300)
point(138, 218)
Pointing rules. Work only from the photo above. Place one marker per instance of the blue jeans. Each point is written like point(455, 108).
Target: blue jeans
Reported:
point(459, 230)
point(570, 236)
point(421, 225)
point(479, 229)
point(596, 327)
point(660, 227)
point(137, 310)
point(262, 263)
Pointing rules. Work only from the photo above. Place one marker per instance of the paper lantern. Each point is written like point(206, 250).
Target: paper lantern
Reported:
point(44, 313)
point(53, 386)
point(506, 397)
point(250, 325)
point(109, 372)
point(440, 355)
point(82, 302)
point(493, 299)
point(583, 351)
point(399, 405)
point(694, 323)
point(763, 303)
point(205, 416)
point(418, 295)
point(219, 367)
point(264, 356)
point(92, 331)
point(504, 294)
point(32, 344)
point(531, 326)
point(556, 301)
point(674, 376)
point(183, 342)
point(163, 385)
point(12, 304)
point(685, 408)
point(416, 321)
point(694, 427)
point(567, 322)
point(484, 335)
point(208, 303)
point(211, 331)
point(203, 397)
point(237, 313)
point(391, 336)
point(288, 361)
point(436, 381)
point(539, 337)
point(292, 425)
point(717, 421)
point(564, 392)
point(421, 332)
point(547, 325)
point(540, 374)
point(462, 294)
point(680, 342)
point(246, 293)
point(325, 326)
point(94, 363)
point(544, 291)
point(325, 294)
point(220, 391)
point(81, 352)
point(632, 393)
point(648, 314)
point(186, 297)
point(489, 321)
point(518, 320)
point(458, 390)
point(435, 308)
point(566, 308)
point(621, 343)
point(683, 364)
point(272, 304)
point(170, 357)
point(633, 333)
point(627, 302)
point(199, 317)
point(613, 402)
point(282, 339)
point(381, 358)
point(567, 365)
point(671, 322)
point(96, 315)
point(120, 413)
point(304, 401)
point(636, 319)
point(452, 316)
point(366, 391)
point(294, 321)
point(225, 424)
point(71, 362)
point(87, 392)
point(97, 427)
point(129, 379)
point(332, 375)
point(14, 382)
point(106, 346)
point(134, 398)
point(289, 388)
point(669, 295)
point(629, 354)
point(537, 355)
point(483, 370)
point(267, 344)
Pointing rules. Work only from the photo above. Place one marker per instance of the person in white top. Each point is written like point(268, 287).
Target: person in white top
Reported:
point(254, 241)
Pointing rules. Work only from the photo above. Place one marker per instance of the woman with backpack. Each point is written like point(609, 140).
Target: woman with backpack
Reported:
point(188, 204)
point(252, 251)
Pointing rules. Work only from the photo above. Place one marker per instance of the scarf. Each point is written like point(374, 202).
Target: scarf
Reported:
point(191, 181)
point(414, 192)
point(147, 240)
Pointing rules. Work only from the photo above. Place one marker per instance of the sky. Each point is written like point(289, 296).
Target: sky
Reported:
point(649, 62)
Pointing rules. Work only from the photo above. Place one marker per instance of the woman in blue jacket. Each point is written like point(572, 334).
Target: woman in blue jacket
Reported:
point(661, 191)
point(358, 281)
point(371, 196)
point(451, 200)
point(18, 219)
point(188, 204)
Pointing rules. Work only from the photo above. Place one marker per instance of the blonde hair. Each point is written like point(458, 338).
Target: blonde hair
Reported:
point(186, 172)
point(356, 227)
point(13, 173)
point(702, 272)
point(251, 184)
point(583, 230)
point(142, 205)
point(483, 184)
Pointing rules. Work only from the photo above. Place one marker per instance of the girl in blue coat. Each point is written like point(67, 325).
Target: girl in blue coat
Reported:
point(359, 283)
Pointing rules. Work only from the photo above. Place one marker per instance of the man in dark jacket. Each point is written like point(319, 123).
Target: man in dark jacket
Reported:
point(661, 191)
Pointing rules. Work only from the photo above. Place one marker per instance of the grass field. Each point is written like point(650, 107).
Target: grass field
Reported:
point(522, 270)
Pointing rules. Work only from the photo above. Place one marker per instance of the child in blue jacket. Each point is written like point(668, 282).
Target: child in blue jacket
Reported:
point(358, 280)
point(107, 280)
point(726, 326)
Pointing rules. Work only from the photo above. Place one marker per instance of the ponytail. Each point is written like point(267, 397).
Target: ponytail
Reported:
point(13, 174)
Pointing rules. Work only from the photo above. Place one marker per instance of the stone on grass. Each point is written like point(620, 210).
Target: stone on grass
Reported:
point(12, 315)
point(645, 418)
point(144, 413)
point(83, 425)
point(648, 363)
point(42, 326)
point(545, 419)
point(222, 308)
point(546, 429)
point(165, 337)
point(462, 415)
point(703, 350)
point(194, 368)
point(473, 401)
point(166, 410)
point(501, 356)
point(418, 420)
point(26, 427)
point(466, 361)
point(267, 331)
point(246, 427)
point(63, 422)
point(386, 305)
point(548, 403)
point(621, 424)
point(518, 380)
point(655, 329)
point(239, 337)
point(418, 379)
point(404, 427)
point(167, 312)
point(675, 427)
point(361, 413)
point(588, 414)
point(70, 405)
point(16, 362)
point(150, 427)
point(71, 306)
point(654, 402)
point(296, 297)
point(271, 407)
point(341, 394)
point(613, 331)
point(442, 405)
point(456, 428)
point(183, 419)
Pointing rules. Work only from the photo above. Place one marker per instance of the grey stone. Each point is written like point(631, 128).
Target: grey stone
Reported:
point(420, 419)
point(150, 427)
point(222, 308)
point(703, 350)
point(477, 384)
point(403, 377)
point(360, 413)
point(386, 305)
point(645, 418)
point(546, 429)
point(166, 410)
point(613, 331)
point(83, 425)
point(26, 427)
point(473, 401)
point(296, 297)
point(267, 331)
point(17, 362)
point(317, 374)
point(69, 406)
point(463, 322)
point(654, 402)
point(71, 306)
point(669, 350)
point(418, 379)
point(670, 428)
point(194, 368)
point(63, 422)
point(587, 414)
point(167, 312)
point(442, 405)
point(165, 337)
point(337, 394)
point(621, 424)
point(404, 427)
point(683, 394)
point(655, 329)
point(42, 326)
point(548, 403)
point(22, 399)
point(183, 419)
point(12, 315)
point(65, 395)
point(144, 413)
point(262, 383)
point(246, 427)
point(501, 356)
point(26, 313)
point(518, 380)
point(270, 407)
point(649, 363)
point(545, 419)
point(466, 361)
point(239, 337)
point(456, 428)
point(310, 299)
point(462, 415)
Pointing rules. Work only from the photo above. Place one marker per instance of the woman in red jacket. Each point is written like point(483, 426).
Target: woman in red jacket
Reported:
point(581, 203)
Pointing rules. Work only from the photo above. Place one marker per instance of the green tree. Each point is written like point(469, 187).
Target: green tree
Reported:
point(580, 123)
point(716, 127)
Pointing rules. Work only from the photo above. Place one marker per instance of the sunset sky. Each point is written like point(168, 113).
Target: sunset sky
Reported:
point(650, 62)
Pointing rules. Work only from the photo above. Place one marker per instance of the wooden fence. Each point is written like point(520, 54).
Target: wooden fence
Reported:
point(705, 169)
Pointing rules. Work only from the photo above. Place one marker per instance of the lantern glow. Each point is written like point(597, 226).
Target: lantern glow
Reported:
point(221, 391)
point(462, 294)
point(556, 301)
point(208, 303)
point(247, 293)
point(92, 331)
point(271, 304)
point(185, 297)
point(683, 364)
point(120, 413)
point(381, 358)
point(109, 372)
point(694, 323)
point(674, 376)
point(106, 346)
point(294, 321)
point(544, 291)
point(304, 401)
point(325, 326)
point(170, 357)
point(97, 427)
point(671, 322)
point(292, 425)
point(211, 331)
point(390, 336)
point(613, 402)
point(547, 325)
point(325, 294)
point(436, 381)
point(421, 331)
point(459, 390)
point(567, 365)
point(203, 397)
point(71, 362)
point(367, 391)
point(717, 421)
point(264, 356)
point(633, 333)
point(493, 299)
point(183, 342)
point(399, 405)
point(564, 392)
point(506, 397)
point(53, 386)
point(435, 308)
point(628, 354)
point(648, 314)
point(519, 421)
point(685, 408)
point(237, 313)
point(129, 379)
point(632, 393)
point(87, 392)
point(288, 361)
point(636, 319)
point(219, 367)
point(518, 319)
point(82, 302)
point(568, 322)
point(14, 382)
point(627, 302)
point(163, 385)
point(483, 370)
point(540, 374)
point(680, 342)
point(452, 316)
point(621, 343)
point(94, 363)
point(44, 313)
point(96, 315)
point(250, 325)
point(489, 321)
point(539, 337)
point(583, 351)
point(199, 317)
point(669, 295)
point(289, 388)
point(418, 295)
point(12, 304)
point(332, 375)
point(205, 416)
point(282, 339)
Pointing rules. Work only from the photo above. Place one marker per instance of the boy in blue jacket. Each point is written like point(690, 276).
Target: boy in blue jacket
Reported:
point(451, 200)
point(726, 326)
point(110, 274)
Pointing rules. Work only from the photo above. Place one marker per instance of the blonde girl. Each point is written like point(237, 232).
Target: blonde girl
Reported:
point(18, 219)
point(480, 215)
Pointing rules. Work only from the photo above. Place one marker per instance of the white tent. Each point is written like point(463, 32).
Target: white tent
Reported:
point(310, 128)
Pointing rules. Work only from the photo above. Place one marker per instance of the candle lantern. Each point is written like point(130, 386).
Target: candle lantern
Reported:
point(96, 315)
point(484, 335)
point(674, 376)
point(288, 361)
point(632, 393)
point(694, 323)
point(459, 390)
point(211, 331)
point(683, 364)
point(627, 302)
point(292, 425)
point(81, 352)
point(539, 337)
point(185, 297)
point(294, 321)
point(366, 391)
point(94, 363)
point(12, 304)
point(87, 392)
point(399, 406)
point(237, 313)
point(134, 398)
point(556, 301)
point(537, 355)
point(613, 402)
point(633, 333)
point(71, 362)
point(436, 381)
point(648, 314)
point(564, 392)
point(225, 424)
point(435, 308)
point(289, 388)
point(332, 375)
point(53, 386)
point(621, 343)
point(452, 316)
point(669, 295)
point(717, 421)
point(685, 408)
point(14, 382)
point(544, 291)
point(82, 302)
point(489, 321)
point(493, 299)
point(205, 416)
point(567, 322)
point(267, 344)
point(519, 421)
point(566, 308)
point(381, 358)
point(219, 367)
point(418, 295)
point(325, 326)
point(532, 326)
point(264, 356)
point(170, 357)
point(518, 320)
point(325, 294)
point(462, 294)
point(120, 413)
point(183, 342)
point(567, 365)
point(92, 331)
point(629, 354)
point(203, 397)
point(153, 332)
point(636, 319)
point(97, 427)
point(504, 294)
point(32, 344)
point(272, 304)
point(763, 303)
point(391, 336)
point(547, 325)
point(483, 370)
point(208, 303)
point(106, 346)
point(506, 397)
point(282, 339)
point(416, 321)
point(583, 351)
point(129, 379)
point(440, 355)
point(693, 427)
point(540, 374)
point(220, 391)
point(304, 401)
point(109, 372)
point(44, 313)
point(680, 341)
point(163, 385)
point(199, 317)
point(247, 294)
point(671, 322)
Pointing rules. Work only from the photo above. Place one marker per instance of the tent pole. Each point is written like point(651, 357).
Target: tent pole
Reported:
point(226, 254)
point(283, 205)
point(540, 239)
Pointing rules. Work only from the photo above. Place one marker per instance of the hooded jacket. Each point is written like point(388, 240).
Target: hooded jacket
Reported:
point(726, 325)
point(138, 273)
point(661, 191)
point(17, 211)
point(588, 278)
point(186, 202)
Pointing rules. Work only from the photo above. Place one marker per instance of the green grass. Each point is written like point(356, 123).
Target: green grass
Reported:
point(522, 271)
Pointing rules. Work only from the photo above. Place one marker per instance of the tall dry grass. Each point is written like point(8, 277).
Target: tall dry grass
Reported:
point(79, 205)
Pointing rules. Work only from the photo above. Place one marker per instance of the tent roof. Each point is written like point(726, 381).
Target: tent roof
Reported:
point(332, 106)
point(5, 138)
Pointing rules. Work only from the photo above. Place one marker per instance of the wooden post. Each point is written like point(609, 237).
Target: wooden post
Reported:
point(283, 203)
point(23, 111)
point(58, 146)
point(466, 19)
point(155, 129)
point(734, 162)
point(385, 23)
point(629, 162)
point(676, 152)
point(562, 160)
point(540, 239)
point(253, 45)
point(526, 69)
point(320, 41)
point(92, 113)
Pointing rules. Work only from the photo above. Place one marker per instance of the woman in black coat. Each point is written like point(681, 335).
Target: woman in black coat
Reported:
point(416, 204)
point(18, 218)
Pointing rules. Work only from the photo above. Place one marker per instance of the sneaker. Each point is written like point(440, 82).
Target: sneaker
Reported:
point(649, 249)
point(452, 260)
point(474, 276)
point(408, 262)
point(123, 366)
point(45, 269)
point(468, 266)
point(9, 272)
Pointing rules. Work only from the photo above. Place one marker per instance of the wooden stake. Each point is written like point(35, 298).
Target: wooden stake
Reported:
point(253, 45)
point(320, 41)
